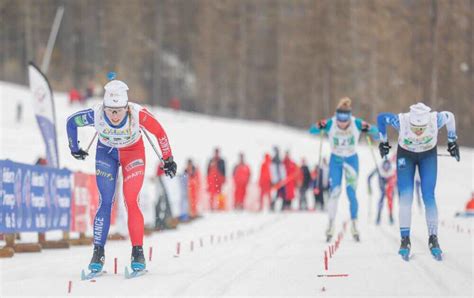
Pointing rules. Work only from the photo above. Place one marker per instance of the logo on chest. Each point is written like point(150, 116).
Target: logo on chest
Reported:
point(116, 131)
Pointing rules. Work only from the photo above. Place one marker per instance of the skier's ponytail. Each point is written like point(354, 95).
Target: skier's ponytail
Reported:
point(344, 104)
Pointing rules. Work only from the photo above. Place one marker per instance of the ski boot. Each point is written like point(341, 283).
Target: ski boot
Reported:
point(355, 231)
point(330, 231)
point(138, 259)
point(98, 259)
point(434, 247)
point(391, 219)
point(405, 247)
point(377, 221)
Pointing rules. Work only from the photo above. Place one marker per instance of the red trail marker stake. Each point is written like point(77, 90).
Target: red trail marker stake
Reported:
point(69, 287)
point(115, 265)
point(177, 249)
point(325, 260)
point(150, 253)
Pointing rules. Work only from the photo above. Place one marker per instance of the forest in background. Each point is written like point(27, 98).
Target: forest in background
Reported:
point(286, 61)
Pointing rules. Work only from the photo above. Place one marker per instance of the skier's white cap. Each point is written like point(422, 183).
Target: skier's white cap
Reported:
point(115, 94)
point(419, 114)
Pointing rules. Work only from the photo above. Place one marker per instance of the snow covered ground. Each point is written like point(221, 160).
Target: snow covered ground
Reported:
point(251, 254)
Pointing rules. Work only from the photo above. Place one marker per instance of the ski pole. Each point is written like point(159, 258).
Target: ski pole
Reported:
point(92, 141)
point(369, 142)
point(321, 132)
point(444, 154)
point(152, 145)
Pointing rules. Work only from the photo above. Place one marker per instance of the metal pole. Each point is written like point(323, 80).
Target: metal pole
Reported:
point(369, 142)
point(152, 145)
point(52, 39)
point(92, 141)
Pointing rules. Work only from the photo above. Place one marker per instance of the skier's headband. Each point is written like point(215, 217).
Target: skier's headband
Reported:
point(343, 115)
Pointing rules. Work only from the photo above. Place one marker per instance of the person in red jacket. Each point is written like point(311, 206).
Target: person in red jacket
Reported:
point(265, 181)
point(292, 173)
point(469, 211)
point(74, 96)
point(215, 180)
point(241, 181)
point(194, 186)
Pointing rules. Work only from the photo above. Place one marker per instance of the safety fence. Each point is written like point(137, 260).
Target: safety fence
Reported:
point(41, 199)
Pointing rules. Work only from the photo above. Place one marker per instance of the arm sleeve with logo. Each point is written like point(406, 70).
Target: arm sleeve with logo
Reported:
point(447, 118)
point(387, 118)
point(79, 119)
point(148, 121)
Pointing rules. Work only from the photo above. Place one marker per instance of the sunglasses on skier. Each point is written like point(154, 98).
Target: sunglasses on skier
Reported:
point(110, 110)
point(343, 116)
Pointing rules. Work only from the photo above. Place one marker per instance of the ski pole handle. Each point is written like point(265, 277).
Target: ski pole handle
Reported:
point(152, 145)
point(92, 141)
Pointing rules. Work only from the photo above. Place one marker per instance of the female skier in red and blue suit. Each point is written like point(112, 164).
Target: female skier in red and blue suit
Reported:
point(119, 124)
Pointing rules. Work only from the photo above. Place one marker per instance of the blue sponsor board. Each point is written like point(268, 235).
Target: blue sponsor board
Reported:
point(34, 198)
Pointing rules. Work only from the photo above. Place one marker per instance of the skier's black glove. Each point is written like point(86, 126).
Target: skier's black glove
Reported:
point(80, 155)
point(169, 167)
point(321, 124)
point(365, 127)
point(453, 149)
point(384, 148)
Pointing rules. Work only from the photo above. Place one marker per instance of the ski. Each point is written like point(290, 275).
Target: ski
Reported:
point(134, 274)
point(91, 275)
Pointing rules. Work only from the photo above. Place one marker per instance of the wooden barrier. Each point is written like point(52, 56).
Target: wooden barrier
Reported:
point(55, 244)
point(21, 247)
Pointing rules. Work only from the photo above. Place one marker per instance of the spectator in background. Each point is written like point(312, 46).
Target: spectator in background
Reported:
point(325, 176)
point(89, 92)
point(469, 209)
point(163, 213)
point(175, 104)
point(241, 181)
point(304, 184)
point(278, 176)
point(265, 181)
point(41, 161)
point(318, 188)
point(215, 180)
point(292, 173)
point(194, 186)
point(74, 96)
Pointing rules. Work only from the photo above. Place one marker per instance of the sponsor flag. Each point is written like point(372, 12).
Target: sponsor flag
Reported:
point(43, 105)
